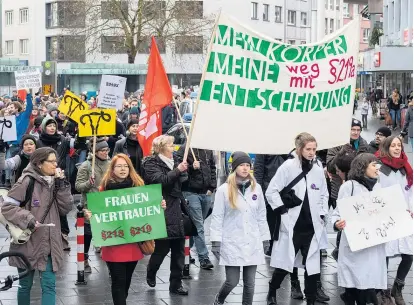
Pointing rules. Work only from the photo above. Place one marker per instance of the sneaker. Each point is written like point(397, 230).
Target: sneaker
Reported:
point(87, 267)
point(320, 294)
point(216, 301)
point(206, 264)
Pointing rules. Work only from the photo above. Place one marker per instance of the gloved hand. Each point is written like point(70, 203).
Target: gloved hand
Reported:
point(290, 200)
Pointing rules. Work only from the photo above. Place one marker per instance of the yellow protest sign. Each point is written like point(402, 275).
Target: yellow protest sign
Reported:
point(47, 89)
point(97, 122)
point(72, 106)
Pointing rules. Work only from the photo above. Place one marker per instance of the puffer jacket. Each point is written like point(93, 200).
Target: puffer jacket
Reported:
point(336, 181)
point(44, 241)
point(157, 172)
point(203, 179)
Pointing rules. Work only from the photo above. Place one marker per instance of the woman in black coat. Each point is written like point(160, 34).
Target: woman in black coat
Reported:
point(162, 168)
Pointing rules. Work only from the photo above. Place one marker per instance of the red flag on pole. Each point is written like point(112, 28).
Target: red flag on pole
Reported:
point(157, 95)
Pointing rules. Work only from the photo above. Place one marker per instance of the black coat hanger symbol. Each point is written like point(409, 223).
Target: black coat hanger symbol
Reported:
point(5, 123)
point(100, 114)
point(71, 101)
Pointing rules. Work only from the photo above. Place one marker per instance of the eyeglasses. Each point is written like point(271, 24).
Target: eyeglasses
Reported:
point(379, 134)
point(51, 161)
point(104, 150)
point(122, 166)
point(355, 130)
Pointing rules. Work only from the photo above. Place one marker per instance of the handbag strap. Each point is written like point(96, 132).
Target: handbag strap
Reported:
point(294, 182)
point(352, 191)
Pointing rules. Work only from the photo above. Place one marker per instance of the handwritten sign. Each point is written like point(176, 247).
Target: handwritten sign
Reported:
point(111, 92)
point(375, 218)
point(72, 106)
point(28, 79)
point(97, 122)
point(8, 132)
point(127, 215)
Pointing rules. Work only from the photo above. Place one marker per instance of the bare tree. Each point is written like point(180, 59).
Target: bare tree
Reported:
point(126, 26)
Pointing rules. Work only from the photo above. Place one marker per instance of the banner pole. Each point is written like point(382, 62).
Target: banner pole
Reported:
point(185, 130)
point(213, 35)
point(93, 157)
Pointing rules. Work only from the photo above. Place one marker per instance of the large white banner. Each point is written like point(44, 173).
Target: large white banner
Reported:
point(257, 93)
point(28, 79)
point(111, 92)
point(375, 218)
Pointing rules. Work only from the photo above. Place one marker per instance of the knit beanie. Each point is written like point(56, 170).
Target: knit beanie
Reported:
point(38, 121)
point(239, 157)
point(51, 107)
point(27, 137)
point(48, 120)
point(100, 144)
point(134, 110)
point(356, 122)
point(385, 131)
point(132, 122)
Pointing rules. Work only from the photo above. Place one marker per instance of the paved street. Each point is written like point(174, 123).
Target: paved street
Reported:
point(203, 286)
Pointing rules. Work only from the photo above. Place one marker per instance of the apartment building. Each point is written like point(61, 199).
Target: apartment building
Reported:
point(350, 11)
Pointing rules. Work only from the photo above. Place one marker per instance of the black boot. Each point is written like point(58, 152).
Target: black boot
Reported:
point(396, 292)
point(271, 296)
point(151, 278)
point(310, 302)
point(295, 290)
point(320, 294)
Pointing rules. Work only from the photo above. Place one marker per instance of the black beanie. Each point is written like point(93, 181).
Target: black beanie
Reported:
point(385, 131)
point(27, 137)
point(356, 122)
point(239, 157)
point(132, 122)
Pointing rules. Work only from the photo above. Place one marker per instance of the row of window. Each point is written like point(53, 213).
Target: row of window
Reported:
point(278, 14)
point(329, 4)
point(23, 43)
point(23, 16)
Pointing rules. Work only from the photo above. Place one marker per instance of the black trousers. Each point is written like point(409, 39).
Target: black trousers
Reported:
point(271, 222)
point(361, 297)
point(121, 275)
point(162, 247)
point(64, 225)
point(404, 267)
point(301, 242)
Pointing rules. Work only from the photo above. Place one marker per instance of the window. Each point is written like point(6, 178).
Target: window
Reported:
point(338, 24)
point(145, 45)
point(331, 5)
point(265, 12)
point(154, 10)
point(337, 4)
point(113, 44)
point(188, 9)
point(291, 42)
point(326, 4)
point(303, 19)
point(9, 47)
point(291, 17)
point(110, 10)
point(302, 42)
point(254, 10)
point(189, 44)
point(365, 35)
point(68, 14)
point(278, 14)
point(24, 46)
point(346, 10)
point(326, 26)
point(66, 48)
point(9, 17)
point(331, 25)
point(24, 15)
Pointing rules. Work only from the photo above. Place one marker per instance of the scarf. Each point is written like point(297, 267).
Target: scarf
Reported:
point(369, 183)
point(114, 185)
point(398, 163)
point(50, 139)
point(49, 179)
point(168, 161)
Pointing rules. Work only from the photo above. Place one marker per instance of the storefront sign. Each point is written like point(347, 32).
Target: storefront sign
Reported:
point(4, 68)
point(102, 71)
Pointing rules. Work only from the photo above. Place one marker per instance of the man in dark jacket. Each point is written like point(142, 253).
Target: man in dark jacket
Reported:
point(201, 183)
point(381, 134)
point(168, 117)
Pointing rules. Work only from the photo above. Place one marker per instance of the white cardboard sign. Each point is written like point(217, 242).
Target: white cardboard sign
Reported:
point(8, 132)
point(28, 79)
point(375, 218)
point(111, 92)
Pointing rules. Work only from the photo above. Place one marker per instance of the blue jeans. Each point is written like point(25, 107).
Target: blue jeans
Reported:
point(82, 156)
point(47, 282)
point(199, 205)
point(396, 116)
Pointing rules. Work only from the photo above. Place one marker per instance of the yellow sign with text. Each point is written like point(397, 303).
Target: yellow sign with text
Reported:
point(73, 106)
point(97, 122)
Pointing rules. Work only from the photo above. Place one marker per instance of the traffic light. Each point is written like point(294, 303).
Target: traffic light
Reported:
point(49, 77)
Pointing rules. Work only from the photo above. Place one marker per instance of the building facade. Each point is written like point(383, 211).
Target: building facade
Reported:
point(350, 11)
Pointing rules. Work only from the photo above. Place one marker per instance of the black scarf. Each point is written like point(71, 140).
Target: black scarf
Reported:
point(24, 161)
point(243, 186)
point(114, 185)
point(135, 153)
point(50, 140)
point(307, 165)
point(369, 183)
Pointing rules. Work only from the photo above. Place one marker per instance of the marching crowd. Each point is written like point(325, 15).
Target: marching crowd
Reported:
point(278, 206)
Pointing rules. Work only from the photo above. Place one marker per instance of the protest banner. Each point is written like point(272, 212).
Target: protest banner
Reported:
point(97, 122)
point(257, 85)
point(72, 106)
point(31, 79)
point(111, 92)
point(376, 217)
point(127, 216)
point(8, 132)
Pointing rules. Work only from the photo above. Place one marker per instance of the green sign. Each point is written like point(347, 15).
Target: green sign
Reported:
point(127, 215)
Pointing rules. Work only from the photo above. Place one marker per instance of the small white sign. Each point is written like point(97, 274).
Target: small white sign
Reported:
point(28, 79)
point(375, 218)
point(8, 132)
point(111, 93)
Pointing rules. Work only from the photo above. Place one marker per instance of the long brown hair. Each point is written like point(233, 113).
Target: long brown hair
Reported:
point(110, 177)
point(384, 148)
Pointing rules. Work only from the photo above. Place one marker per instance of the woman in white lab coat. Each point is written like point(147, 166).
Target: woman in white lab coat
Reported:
point(360, 272)
point(239, 223)
point(302, 233)
point(396, 169)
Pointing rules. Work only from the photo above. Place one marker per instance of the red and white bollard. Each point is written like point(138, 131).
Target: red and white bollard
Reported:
point(186, 270)
point(80, 241)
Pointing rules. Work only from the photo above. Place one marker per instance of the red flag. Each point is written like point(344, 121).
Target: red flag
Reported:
point(157, 95)
point(22, 94)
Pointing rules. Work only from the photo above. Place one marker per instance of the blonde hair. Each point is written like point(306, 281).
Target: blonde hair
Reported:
point(160, 142)
point(300, 142)
point(233, 189)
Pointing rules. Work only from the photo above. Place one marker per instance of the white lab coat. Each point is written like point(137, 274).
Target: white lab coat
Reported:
point(389, 178)
point(241, 231)
point(283, 252)
point(363, 269)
